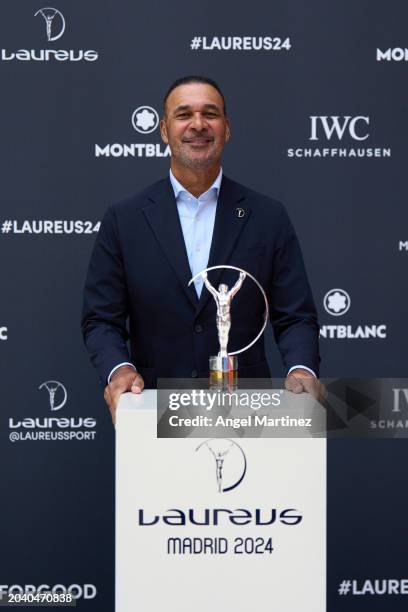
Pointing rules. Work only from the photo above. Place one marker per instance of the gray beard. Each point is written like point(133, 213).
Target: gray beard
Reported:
point(196, 164)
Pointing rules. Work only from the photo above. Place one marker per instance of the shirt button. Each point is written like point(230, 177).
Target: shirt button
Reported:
point(194, 374)
point(198, 328)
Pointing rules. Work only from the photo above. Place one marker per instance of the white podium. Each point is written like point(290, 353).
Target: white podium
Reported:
point(182, 545)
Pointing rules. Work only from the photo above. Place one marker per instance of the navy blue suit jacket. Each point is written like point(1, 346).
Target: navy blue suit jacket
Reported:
point(137, 287)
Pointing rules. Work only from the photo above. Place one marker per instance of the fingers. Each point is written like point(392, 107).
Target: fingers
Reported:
point(115, 395)
point(293, 384)
point(307, 384)
point(109, 400)
point(121, 382)
point(113, 415)
point(107, 396)
point(111, 396)
point(137, 384)
point(310, 385)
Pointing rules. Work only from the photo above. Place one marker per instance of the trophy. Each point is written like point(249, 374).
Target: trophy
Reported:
point(224, 366)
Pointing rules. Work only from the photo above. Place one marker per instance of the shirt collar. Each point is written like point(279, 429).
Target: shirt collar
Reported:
point(178, 187)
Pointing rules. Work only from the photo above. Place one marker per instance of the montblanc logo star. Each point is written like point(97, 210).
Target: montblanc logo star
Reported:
point(336, 302)
point(54, 20)
point(145, 119)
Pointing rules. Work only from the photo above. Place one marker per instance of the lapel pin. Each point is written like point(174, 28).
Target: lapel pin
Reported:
point(240, 212)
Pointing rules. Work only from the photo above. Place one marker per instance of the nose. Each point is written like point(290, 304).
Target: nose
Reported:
point(198, 122)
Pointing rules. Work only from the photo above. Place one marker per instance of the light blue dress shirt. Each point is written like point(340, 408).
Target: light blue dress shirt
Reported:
point(197, 217)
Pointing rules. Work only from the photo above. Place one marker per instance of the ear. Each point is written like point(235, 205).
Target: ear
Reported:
point(228, 131)
point(163, 131)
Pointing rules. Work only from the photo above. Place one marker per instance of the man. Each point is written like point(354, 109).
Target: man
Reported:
point(150, 245)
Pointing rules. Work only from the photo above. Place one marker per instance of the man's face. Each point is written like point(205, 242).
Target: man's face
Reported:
point(195, 126)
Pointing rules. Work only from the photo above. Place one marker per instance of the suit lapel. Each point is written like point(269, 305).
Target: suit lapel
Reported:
point(230, 219)
point(162, 216)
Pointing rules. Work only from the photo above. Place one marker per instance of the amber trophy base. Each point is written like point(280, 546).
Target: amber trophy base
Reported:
point(224, 372)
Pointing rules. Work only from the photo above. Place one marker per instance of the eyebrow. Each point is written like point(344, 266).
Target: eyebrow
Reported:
point(183, 107)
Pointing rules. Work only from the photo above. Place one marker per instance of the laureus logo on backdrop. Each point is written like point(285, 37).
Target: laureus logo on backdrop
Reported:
point(3, 333)
point(53, 26)
point(54, 21)
point(56, 428)
point(145, 120)
point(336, 303)
point(349, 133)
point(52, 386)
point(228, 462)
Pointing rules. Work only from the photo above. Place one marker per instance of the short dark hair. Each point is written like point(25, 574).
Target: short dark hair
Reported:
point(193, 79)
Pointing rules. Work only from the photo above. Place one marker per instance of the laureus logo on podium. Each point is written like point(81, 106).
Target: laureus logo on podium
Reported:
point(57, 394)
point(228, 462)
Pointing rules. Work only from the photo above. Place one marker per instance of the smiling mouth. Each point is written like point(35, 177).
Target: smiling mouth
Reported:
point(198, 141)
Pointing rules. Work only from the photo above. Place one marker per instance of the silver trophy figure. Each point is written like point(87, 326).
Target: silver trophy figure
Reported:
point(224, 366)
point(223, 299)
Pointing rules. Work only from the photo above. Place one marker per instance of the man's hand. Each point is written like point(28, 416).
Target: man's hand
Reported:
point(124, 379)
point(302, 381)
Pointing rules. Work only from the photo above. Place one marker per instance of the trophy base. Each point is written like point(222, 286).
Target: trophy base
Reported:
point(223, 372)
